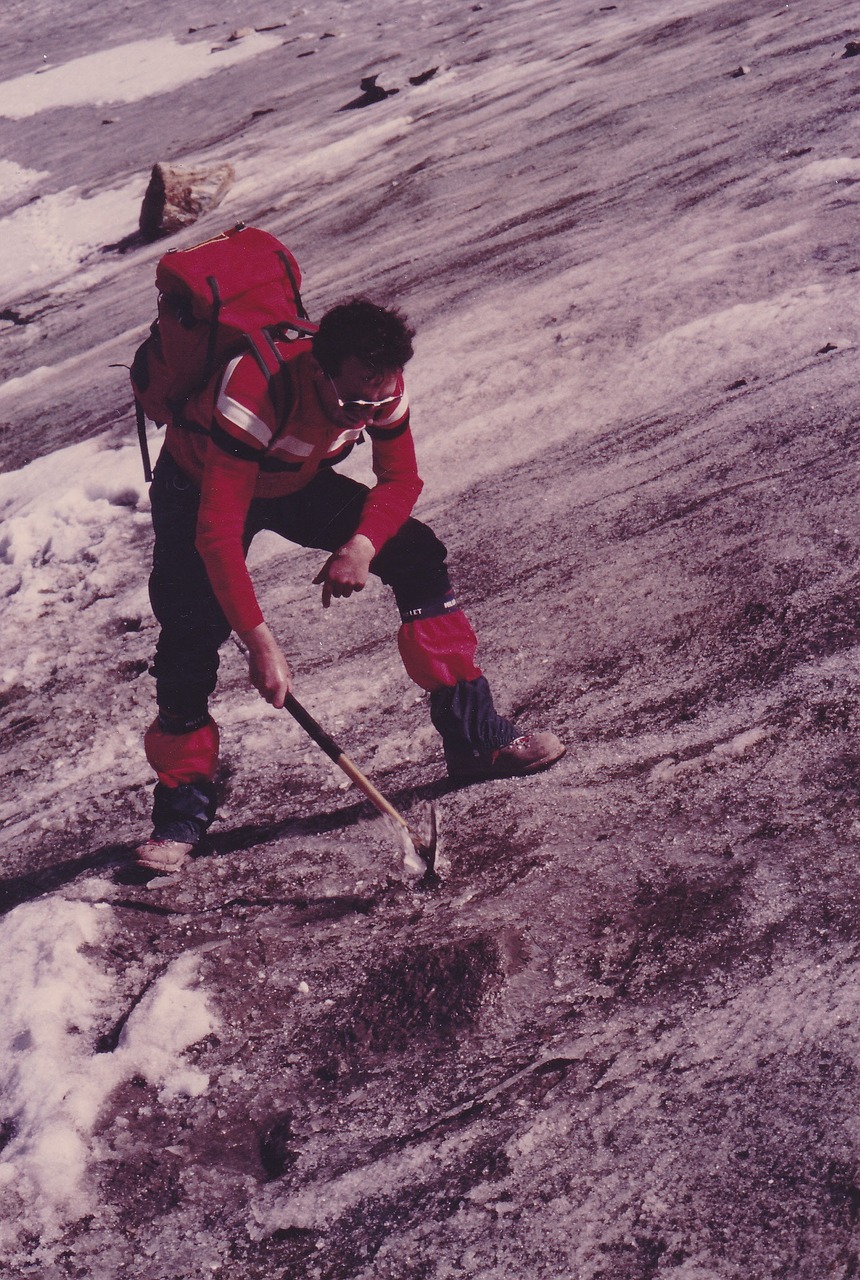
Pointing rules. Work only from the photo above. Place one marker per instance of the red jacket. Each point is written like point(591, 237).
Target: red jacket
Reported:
point(244, 452)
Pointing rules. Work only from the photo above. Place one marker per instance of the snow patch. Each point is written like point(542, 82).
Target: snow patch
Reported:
point(836, 169)
point(127, 73)
point(668, 769)
point(55, 1002)
point(73, 572)
point(48, 239)
point(49, 507)
point(741, 743)
point(15, 179)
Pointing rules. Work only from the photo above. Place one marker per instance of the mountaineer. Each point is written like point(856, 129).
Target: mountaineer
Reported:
point(247, 457)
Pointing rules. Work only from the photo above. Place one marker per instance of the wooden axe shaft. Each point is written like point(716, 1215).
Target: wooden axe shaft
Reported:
point(342, 760)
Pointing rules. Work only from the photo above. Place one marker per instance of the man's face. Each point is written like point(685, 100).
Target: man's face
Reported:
point(356, 381)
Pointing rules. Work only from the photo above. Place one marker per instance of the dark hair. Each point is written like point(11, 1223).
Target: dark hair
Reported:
point(380, 338)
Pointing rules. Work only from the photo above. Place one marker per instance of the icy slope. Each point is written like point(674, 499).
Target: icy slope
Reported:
point(621, 1039)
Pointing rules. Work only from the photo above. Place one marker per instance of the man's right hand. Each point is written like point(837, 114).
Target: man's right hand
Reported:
point(268, 669)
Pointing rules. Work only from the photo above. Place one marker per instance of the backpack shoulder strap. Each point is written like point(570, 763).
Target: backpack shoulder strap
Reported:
point(294, 284)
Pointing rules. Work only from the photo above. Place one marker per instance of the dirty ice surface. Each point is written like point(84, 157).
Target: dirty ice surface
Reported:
point(634, 280)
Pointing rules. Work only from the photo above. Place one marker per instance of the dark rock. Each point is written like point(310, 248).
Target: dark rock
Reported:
point(371, 92)
point(275, 1155)
point(13, 316)
point(176, 197)
point(7, 1132)
point(852, 49)
point(423, 76)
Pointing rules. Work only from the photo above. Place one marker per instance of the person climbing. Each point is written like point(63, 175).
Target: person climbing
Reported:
point(252, 453)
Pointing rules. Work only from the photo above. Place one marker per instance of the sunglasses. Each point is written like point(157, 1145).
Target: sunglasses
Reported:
point(363, 404)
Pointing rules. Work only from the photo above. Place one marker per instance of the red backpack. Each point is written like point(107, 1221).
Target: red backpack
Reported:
point(238, 291)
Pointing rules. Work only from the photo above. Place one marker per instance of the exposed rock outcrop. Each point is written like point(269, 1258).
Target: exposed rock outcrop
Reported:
point(176, 197)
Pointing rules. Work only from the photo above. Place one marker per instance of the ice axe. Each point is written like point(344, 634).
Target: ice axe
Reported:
point(419, 852)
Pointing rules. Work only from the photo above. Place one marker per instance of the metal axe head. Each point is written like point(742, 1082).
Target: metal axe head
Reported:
point(419, 846)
